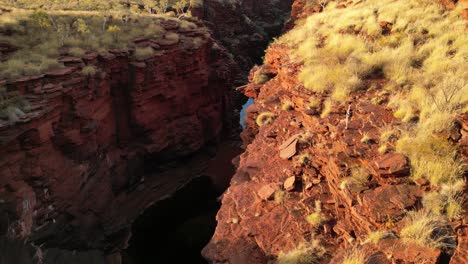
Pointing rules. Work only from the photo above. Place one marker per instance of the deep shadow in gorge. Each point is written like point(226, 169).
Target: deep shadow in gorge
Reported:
point(175, 230)
point(85, 168)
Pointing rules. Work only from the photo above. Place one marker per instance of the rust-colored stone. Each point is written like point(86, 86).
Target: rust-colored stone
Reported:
point(290, 183)
point(461, 253)
point(393, 164)
point(464, 13)
point(266, 192)
point(393, 202)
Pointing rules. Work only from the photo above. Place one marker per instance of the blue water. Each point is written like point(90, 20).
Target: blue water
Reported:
point(242, 113)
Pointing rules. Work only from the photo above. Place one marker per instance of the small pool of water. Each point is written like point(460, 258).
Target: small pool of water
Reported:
point(243, 113)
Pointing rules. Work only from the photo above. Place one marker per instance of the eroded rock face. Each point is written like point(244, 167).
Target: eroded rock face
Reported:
point(245, 27)
point(80, 167)
point(273, 215)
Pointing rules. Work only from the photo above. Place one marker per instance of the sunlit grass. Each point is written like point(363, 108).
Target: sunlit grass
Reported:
point(427, 229)
point(42, 36)
point(305, 253)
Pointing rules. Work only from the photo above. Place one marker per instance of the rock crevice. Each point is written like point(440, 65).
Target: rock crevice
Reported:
point(95, 151)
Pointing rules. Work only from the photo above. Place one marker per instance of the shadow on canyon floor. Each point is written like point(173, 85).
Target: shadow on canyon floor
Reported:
point(175, 230)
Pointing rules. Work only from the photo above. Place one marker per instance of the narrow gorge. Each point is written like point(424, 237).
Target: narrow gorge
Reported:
point(123, 165)
point(352, 149)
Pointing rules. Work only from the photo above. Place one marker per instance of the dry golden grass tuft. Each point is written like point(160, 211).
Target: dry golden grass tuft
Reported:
point(88, 70)
point(265, 118)
point(143, 53)
point(305, 253)
point(375, 236)
point(447, 201)
point(354, 256)
point(287, 106)
point(327, 107)
point(429, 230)
point(432, 157)
point(315, 218)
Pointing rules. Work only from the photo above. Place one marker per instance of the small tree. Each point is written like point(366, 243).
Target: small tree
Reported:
point(42, 19)
point(63, 29)
point(106, 17)
point(161, 6)
point(180, 6)
point(149, 5)
point(80, 26)
point(114, 30)
point(323, 3)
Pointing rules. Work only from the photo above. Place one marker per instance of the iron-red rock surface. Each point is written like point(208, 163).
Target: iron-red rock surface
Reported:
point(275, 217)
point(73, 170)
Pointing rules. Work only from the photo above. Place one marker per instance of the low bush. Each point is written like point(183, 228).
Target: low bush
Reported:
point(12, 106)
point(89, 71)
point(143, 53)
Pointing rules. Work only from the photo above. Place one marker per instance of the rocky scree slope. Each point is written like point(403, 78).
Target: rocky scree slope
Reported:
point(354, 150)
point(95, 150)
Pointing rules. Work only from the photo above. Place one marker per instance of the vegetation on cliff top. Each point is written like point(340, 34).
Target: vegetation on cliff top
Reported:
point(417, 48)
point(36, 34)
point(40, 36)
point(417, 52)
point(158, 6)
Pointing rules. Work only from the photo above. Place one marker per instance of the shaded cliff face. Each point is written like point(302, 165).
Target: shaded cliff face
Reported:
point(95, 151)
point(295, 163)
point(245, 27)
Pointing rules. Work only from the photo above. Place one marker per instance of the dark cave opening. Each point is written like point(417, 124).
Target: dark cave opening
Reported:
point(176, 229)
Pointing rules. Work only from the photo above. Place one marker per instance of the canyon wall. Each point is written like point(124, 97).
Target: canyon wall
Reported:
point(245, 27)
point(294, 163)
point(96, 150)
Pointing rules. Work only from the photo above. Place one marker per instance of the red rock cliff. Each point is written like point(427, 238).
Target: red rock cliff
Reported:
point(245, 27)
point(72, 171)
point(297, 160)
